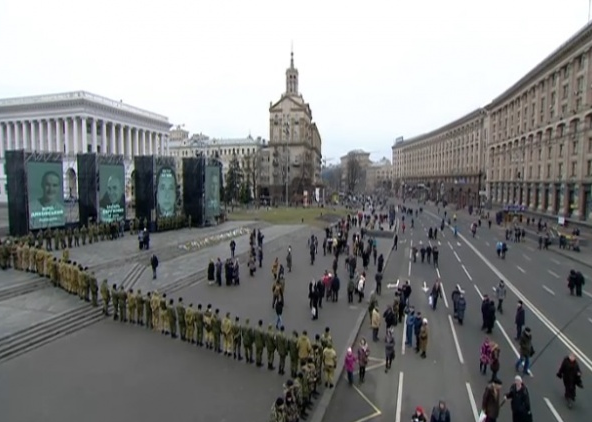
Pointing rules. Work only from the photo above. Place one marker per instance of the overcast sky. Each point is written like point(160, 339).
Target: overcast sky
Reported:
point(371, 71)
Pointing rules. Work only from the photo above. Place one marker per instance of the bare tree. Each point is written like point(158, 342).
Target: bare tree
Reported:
point(332, 178)
point(353, 174)
point(252, 171)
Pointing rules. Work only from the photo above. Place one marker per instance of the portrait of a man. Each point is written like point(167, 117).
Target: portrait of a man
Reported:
point(213, 190)
point(46, 209)
point(112, 202)
point(166, 192)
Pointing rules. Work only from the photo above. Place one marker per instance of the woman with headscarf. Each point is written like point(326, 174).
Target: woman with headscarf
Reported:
point(350, 363)
point(389, 348)
point(363, 357)
point(418, 415)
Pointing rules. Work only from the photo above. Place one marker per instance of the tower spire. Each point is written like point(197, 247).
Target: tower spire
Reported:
point(292, 75)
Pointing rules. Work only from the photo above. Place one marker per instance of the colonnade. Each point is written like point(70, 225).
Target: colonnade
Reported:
point(81, 134)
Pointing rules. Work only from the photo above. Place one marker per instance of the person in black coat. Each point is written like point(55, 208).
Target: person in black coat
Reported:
point(219, 266)
point(571, 375)
point(380, 265)
point(211, 271)
point(335, 286)
point(484, 308)
point(520, 401)
point(320, 291)
point(490, 316)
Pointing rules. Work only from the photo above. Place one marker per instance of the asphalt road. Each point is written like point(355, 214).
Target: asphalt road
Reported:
point(450, 371)
point(122, 372)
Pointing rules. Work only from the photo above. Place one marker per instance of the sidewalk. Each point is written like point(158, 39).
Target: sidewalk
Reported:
point(583, 258)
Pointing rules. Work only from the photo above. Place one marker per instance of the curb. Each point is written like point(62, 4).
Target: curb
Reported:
point(323, 405)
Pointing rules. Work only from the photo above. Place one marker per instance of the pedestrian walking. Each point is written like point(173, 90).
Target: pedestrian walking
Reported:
point(519, 320)
point(485, 357)
point(389, 348)
point(363, 357)
point(350, 363)
point(570, 374)
point(519, 401)
point(490, 404)
point(526, 351)
point(154, 265)
point(279, 310)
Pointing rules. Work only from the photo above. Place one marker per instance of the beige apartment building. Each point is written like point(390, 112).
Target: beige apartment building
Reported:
point(533, 148)
point(445, 164)
point(294, 149)
point(379, 175)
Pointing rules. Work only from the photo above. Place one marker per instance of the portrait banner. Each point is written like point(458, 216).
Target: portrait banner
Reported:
point(111, 192)
point(45, 183)
point(212, 191)
point(166, 190)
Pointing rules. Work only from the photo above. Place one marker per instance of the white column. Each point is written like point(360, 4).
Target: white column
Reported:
point(84, 139)
point(18, 131)
point(94, 135)
point(150, 143)
point(120, 143)
point(103, 137)
point(2, 138)
point(66, 148)
point(167, 145)
point(9, 135)
point(136, 142)
point(34, 139)
point(112, 138)
point(25, 136)
point(49, 135)
point(161, 143)
point(144, 142)
point(128, 142)
point(58, 135)
point(42, 140)
point(76, 138)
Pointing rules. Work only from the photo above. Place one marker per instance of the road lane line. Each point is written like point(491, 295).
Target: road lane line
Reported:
point(590, 320)
point(444, 295)
point(588, 294)
point(551, 292)
point(409, 271)
point(377, 411)
point(554, 274)
point(555, 261)
point(439, 243)
point(461, 359)
point(466, 272)
point(473, 402)
point(404, 338)
point(456, 256)
point(487, 243)
point(450, 246)
point(521, 269)
point(554, 330)
point(530, 248)
point(501, 328)
point(458, 244)
point(526, 257)
point(558, 417)
point(399, 398)
point(438, 272)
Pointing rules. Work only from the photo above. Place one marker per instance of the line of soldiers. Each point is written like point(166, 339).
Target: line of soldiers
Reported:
point(206, 328)
point(70, 276)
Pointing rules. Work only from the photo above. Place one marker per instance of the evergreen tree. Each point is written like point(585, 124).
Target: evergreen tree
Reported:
point(234, 180)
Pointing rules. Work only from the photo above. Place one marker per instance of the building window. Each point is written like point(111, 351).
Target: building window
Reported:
point(550, 152)
point(560, 171)
point(589, 168)
point(548, 171)
point(563, 110)
point(560, 150)
point(565, 91)
point(573, 168)
point(566, 72)
point(539, 171)
point(574, 147)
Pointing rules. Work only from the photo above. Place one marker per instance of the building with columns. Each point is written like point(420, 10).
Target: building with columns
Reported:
point(79, 122)
point(535, 141)
point(294, 144)
point(446, 163)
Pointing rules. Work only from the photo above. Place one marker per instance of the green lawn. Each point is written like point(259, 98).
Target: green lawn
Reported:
point(312, 216)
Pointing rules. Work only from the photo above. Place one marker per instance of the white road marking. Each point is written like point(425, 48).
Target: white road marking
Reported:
point(551, 292)
point(473, 402)
point(466, 272)
point(404, 338)
point(558, 417)
point(438, 272)
point(554, 274)
point(439, 243)
point(501, 328)
point(530, 248)
point(590, 320)
point(487, 243)
point(520, 269)
point(399, 398)
point(409, 271)
point(444, 295)
point(456, 256)
point(461, 359)
point(526, 257)
point(458, 244)
point(586, 361)
point(588, 294)
point(450, 246)
point(553, 260)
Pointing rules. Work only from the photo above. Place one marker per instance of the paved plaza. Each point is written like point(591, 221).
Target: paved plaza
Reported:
point(121, 370)
point(560, 323)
